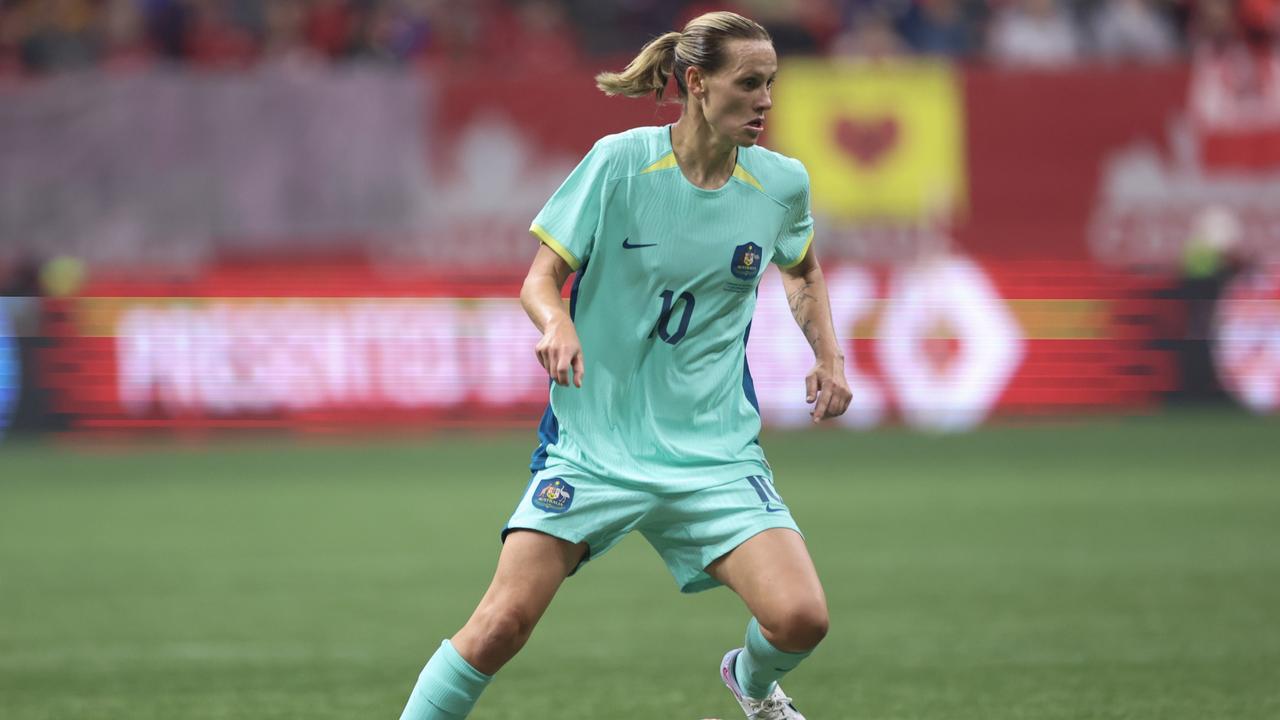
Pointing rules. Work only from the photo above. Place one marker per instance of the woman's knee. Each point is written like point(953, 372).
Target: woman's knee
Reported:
point(799, 627)
point(499, 631)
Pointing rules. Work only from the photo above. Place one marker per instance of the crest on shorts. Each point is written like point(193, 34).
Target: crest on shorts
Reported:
point(746, 261)
point(553, 495)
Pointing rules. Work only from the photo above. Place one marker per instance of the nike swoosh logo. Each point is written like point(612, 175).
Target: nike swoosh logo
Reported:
point(770, 508)
point(626, 243)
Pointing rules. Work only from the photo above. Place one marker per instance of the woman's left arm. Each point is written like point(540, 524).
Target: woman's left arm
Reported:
point(825, 385)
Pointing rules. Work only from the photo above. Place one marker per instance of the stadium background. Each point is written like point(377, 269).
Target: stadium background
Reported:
point(265, 389)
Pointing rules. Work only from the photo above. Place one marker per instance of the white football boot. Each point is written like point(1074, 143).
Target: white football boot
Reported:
point(775, 707)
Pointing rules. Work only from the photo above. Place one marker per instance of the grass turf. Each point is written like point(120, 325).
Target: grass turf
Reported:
point(1103, 569)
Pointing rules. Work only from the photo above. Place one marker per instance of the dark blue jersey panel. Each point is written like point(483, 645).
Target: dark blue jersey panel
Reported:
point(548, 434)
point(748, 386)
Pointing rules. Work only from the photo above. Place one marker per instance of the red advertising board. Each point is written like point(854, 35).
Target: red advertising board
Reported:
point(1120, 165)
point(942, 346)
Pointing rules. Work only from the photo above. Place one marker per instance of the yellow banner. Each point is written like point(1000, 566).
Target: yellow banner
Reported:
point(880, 140)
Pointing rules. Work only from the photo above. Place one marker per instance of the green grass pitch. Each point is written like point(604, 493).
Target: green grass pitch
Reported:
point(1116, 568)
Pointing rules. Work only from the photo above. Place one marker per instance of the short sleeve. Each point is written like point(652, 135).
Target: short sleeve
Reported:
point(567, 223)
point(793, 243)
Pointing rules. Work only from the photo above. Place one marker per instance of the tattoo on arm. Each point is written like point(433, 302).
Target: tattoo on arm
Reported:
point(801, 300)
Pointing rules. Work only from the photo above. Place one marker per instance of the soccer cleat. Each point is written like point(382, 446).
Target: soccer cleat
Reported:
point(775, 707)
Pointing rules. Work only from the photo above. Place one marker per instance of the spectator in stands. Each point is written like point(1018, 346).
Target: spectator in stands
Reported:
point(1260, 21)
point(798, 27)
point(410, 27)
point(603, 27)
point(58, 35)
point(1033, 33)
point(125, 45)
point(328, 26)
point(166, 24)
point(1133, 30)
point(284, 36)
point(1213, 25)
point(210, 37)
point(463, 31)
point(940, 27)
point(388, 32)
point(539, 33)
point(871, 35)
point(12, 29)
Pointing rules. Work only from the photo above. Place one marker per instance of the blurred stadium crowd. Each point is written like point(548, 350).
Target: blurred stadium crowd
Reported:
point(46, 36)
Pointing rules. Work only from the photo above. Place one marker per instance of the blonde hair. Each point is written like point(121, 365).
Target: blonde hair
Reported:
point(700, 44)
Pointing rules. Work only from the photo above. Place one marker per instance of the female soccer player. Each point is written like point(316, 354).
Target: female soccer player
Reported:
point(653, 420)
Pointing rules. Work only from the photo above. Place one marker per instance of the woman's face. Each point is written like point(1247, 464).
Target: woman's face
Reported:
point(735, 98)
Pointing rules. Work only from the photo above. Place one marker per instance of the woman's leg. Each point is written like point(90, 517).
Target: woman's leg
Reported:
point(774, 575)
point(531, 568)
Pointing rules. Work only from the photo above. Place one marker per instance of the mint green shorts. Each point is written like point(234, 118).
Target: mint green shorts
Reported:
point(689, 530)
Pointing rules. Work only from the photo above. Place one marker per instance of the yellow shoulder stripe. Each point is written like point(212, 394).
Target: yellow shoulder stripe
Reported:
point(667, 161)
point(803, 253)
point(746, 177)
point(541, 233)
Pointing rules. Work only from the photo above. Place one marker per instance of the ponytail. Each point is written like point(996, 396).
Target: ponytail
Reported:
point(646, 73)
point(701, 45)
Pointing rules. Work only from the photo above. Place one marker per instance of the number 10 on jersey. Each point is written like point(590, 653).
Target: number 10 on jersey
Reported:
point(669, 302)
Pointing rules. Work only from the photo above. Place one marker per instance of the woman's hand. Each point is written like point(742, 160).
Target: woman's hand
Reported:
point(560, 352)
point(827, 388)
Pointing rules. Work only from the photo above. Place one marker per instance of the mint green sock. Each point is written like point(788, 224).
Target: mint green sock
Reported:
point(447, 689)
point(760, 664)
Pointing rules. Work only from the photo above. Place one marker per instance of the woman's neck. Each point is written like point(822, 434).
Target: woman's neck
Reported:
point(705, 162)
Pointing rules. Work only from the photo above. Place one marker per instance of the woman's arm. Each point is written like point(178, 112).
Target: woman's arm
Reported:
point(559, 350)
point(825, 385)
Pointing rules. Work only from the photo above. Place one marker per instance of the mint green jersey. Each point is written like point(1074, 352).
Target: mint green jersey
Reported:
point(662, 299)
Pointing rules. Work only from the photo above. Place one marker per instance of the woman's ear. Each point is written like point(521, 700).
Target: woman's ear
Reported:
point(693, 80)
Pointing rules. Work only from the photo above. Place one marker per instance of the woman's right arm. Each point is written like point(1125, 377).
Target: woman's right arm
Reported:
point(559, 350)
